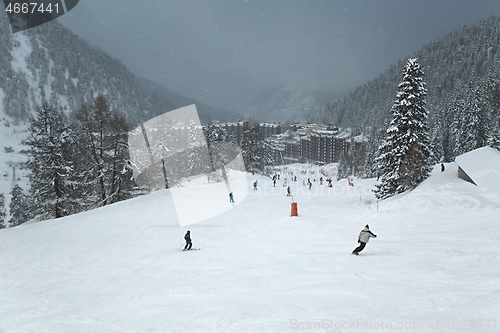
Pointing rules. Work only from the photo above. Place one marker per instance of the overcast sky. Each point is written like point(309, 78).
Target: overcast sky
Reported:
point(222, 52)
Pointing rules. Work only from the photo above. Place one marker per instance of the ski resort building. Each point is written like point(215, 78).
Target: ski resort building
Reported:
point(298, 142)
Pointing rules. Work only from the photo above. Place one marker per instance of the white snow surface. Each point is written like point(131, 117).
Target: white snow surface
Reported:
point(433, 267)
point(483, 166)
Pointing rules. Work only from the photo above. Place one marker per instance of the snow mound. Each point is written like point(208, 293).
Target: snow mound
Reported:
point(482, 166)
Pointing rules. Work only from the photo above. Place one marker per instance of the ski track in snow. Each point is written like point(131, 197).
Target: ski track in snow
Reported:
point(121, 269)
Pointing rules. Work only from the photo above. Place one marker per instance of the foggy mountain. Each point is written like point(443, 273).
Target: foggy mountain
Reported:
point(51, 63)
point(453, 65)
point(285, 104)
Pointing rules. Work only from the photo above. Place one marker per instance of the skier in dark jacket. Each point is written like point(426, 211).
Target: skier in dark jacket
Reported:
point(231, 197)
point(187, 237)
point(363, 238)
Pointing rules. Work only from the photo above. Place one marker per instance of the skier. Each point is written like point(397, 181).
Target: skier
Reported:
point(187, 237)
point(255, 185)
point(231, 198)
point(363, 238)
point(288, 191)
point(442, 167)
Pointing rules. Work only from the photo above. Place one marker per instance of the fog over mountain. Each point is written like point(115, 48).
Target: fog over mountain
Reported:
point(50, 63)
point(246, 55)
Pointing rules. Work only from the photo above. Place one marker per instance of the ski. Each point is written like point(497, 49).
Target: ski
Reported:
point(192, 249)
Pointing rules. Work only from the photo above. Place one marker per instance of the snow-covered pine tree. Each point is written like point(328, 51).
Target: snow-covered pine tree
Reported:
point(494, 139)
point(437, 142)
point(219, 151)
point(403, 160)
point(102, 157)
point(120, 179)
point(50, 143)
point(19, 207)
point(250, 149)
point(343, 167)
point(2, 210)
point(197, 158)
point(88, 162)
point(374, 141)
point(471, 125)
point(101, 145)
point(494, 104)
point(267, 155)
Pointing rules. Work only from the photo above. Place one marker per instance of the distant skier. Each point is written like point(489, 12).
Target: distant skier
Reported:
point(288, 191)
point(187, 237)
point(363, 238)
point(231, 197)
point(442, 167)
point(255, 185)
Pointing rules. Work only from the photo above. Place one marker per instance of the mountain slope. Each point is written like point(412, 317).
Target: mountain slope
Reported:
point(50, 62)
point(120, 268)
point(165, 96)
point(460, 59)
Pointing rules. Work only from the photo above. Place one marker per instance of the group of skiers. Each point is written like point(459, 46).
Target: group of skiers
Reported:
point(363, 237)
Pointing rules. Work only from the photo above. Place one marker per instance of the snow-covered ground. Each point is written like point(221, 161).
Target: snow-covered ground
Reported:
point(434, 266)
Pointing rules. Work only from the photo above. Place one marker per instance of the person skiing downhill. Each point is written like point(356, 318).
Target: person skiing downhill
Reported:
point(363, 238)
point(231, 197)
point(187, 237)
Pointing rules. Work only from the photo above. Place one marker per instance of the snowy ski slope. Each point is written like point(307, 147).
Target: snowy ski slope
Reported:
point(434, 266)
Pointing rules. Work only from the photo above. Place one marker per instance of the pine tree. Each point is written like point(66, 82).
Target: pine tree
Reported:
point(19, 207)
point(220, 151)
point(343, 167)
point(89, 165)
point(251, 150)
point(494, 137)
point(403, 160)
point(50, 144)
point(2, 210)
point(122, 185)
point(102, 158)
point(471, 125)
point(197, 158)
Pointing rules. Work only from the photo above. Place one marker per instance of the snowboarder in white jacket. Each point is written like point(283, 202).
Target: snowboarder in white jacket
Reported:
point(363, 238)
